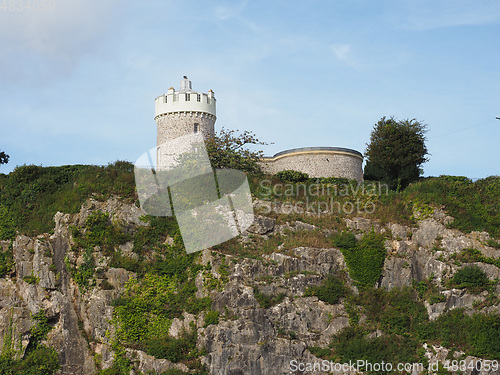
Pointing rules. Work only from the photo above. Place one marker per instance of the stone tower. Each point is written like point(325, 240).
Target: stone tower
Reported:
point(184, 112)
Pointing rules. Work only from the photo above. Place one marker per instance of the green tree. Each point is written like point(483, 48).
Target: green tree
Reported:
point(227, 149)
point(4, 158)
point(396, 152)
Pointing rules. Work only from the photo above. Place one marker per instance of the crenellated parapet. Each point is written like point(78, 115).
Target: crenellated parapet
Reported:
point(185, 101)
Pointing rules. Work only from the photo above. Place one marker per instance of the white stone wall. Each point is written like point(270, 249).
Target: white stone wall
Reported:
point(177, 102)
point(174, 125)
point(317, 164)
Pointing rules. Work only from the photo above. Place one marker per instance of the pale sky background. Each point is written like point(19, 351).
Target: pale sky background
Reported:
point(77, 84)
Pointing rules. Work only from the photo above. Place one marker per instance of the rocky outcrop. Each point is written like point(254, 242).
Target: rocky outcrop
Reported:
point(248, 339)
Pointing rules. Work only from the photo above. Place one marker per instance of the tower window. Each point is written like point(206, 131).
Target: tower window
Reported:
point(198, 97)
point(188, 97)
point(196, 126)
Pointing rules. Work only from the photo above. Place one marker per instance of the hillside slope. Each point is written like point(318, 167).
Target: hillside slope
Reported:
point(110, 290)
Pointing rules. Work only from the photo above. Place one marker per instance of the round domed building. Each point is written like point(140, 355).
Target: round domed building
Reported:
point(184, 112)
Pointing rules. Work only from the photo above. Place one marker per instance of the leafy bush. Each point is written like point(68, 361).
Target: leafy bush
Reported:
point(154, 234)
point(345, 240)
point(478, 335)
point(398, 311)
point(227, 149)
point(175, 350)
point(265, 300)
point(472, 278)
point(212, 317)
point(364, 258)
point(7, 224)
point(33, 194)
point(351, 344)
point(396, 152)
point(100, 231)
point(5, 262)
point(292, 176)
point(41, 328)
point(336, 181)
point(428, 291)
point(471, 255)
point(84, 273)
point(41, 361)
point(473, 205)
point(330, 291)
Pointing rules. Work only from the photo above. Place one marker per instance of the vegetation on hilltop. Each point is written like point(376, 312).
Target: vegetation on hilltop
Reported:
point(228, 149)
point(31, 195)
point(396, 152)
point(165, 284)
point(4, 158)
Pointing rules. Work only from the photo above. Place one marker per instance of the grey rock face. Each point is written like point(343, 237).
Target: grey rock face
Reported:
point(248, 339)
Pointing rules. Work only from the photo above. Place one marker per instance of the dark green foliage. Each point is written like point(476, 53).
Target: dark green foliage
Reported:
point(33, 194)
point(212, 317)
point(345, 240)
point(100, 231)
point(397, 311)
point(31, 279)
point(154, 234)
point(428, 291)
point(404, 322)
point(478, 335)
point(473, 255)
point(7, 224)
point(227, 149)
point(4, 158)
point(493, 244)
point(175, 350)
point(5, 262)
point(40, 361)
point(41, 328)
point(266, 300)
point(396, 152)
point(84, 273)
point(351, 344)
point(335, 181)
point(292, 176)
point(473, 205)
point(330, 291)
point(364, 258)
point(472, 278)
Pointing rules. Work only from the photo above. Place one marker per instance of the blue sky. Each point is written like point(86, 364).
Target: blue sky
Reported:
point(77, 84)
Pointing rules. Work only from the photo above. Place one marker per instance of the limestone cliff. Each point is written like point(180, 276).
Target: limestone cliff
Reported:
point(247, 338)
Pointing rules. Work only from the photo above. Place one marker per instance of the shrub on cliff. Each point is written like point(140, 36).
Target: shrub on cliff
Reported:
point(365, 258)
point(472, 278)
point(292, 176)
